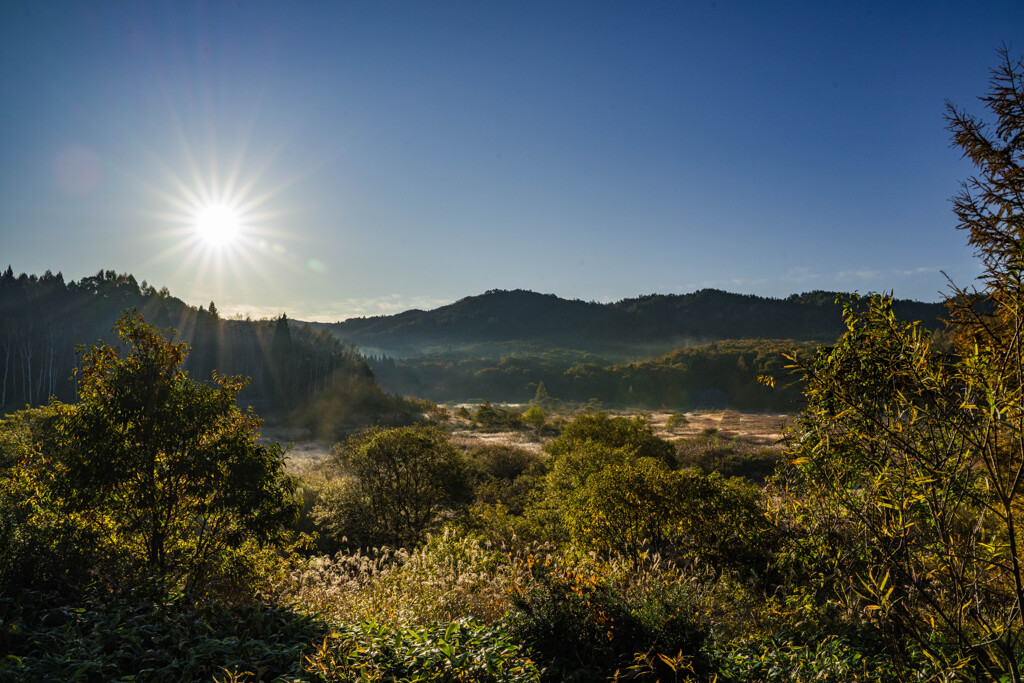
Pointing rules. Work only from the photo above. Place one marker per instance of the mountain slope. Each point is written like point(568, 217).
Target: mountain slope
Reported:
point(661, 322)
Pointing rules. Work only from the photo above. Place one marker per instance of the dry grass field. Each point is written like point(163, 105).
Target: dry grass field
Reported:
point(752, 429)
point(764, 430)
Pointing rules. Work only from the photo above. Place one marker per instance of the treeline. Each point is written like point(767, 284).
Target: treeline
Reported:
point(725, 374)
point(295, 372)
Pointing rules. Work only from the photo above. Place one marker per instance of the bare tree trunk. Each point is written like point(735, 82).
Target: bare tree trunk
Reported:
point(7, 368)
point(26, 373)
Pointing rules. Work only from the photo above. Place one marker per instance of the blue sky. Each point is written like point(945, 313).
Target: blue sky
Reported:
point(388, 155)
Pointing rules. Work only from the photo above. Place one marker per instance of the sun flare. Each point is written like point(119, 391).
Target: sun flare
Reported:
point(220, 219)
point(217, 224)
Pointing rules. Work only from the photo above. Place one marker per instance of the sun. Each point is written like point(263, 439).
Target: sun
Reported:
point(217, 225)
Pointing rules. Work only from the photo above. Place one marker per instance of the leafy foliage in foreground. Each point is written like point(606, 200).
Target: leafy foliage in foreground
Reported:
point(149, 636)
point(461, 650)
point(163, 637)
point(802, 656)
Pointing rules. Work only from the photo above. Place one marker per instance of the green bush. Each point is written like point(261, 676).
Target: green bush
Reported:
point(675, 421)
point(642, 506)
point(39, 547)
point(506, 474)
point(812, 657)
point(730, 458)
point(501, 461)
point(535, 417)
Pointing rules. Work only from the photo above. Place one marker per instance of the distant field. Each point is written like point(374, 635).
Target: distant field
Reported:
point(752, 428)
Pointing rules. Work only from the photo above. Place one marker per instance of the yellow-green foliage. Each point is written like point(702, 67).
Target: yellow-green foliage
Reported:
point(676, 420)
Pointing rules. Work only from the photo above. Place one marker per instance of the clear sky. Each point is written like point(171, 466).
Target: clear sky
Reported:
point(378, 156)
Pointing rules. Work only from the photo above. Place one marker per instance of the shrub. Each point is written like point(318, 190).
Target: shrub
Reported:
point(812, 657)
point(675, 421)
point(491, 418)
point(536, 418)
point(640, 505)
point(506, 475)
point(733, 458)
point(500, 461)
point(406, 479)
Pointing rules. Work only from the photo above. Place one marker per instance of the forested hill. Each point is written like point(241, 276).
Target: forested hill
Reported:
point(303, 376)
point(655, 321)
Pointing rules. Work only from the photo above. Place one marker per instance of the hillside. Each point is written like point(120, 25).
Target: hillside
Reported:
point(635, 328)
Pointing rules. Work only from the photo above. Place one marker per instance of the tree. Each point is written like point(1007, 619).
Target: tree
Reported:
point(406, 479)
point(911, 461)
point(542, 400)
point(166, 470)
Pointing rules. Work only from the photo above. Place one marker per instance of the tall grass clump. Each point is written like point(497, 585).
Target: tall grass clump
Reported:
point(451, 576)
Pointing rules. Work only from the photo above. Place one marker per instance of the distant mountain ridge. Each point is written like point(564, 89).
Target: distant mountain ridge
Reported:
point(657, 320)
